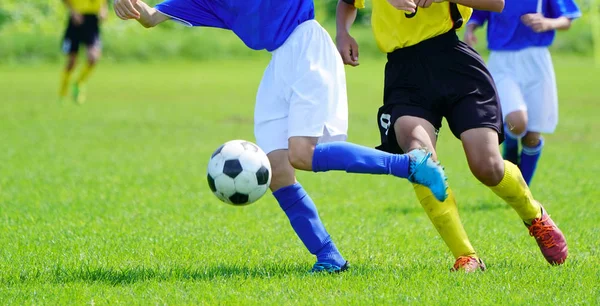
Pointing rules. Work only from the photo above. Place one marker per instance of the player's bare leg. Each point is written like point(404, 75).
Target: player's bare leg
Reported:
point(301, 150)
point(413, 133)
point(79, 89)
point(66, 77)
point(505, 179)
point(302, 214)
point(515, 126)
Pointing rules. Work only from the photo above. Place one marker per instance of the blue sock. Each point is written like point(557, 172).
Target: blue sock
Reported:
point(529, 160)
point(353, 158)
point(304, 218)
point(511, 147)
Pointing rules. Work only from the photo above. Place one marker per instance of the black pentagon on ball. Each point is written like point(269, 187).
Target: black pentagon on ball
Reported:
point(217, 151)
point(248, 146)
point(239, 198)
point(262, 175)
point(211, 183)
point(232, 168)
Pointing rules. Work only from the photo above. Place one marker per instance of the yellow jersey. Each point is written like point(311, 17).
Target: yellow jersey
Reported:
point(395, 29)
point(87, 6)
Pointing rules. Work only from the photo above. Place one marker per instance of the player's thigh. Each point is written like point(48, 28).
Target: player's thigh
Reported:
point(271, 113)
point(94, 51)
point(483, 156)
point(317, 82)
point(541, 94)
point(405, 127)
point(473, 101)
point(90, 36)
point(407, 119)
point(414, 132)
point(506, 72)
point(510, 97)
point(71, 40)
point(475, 112)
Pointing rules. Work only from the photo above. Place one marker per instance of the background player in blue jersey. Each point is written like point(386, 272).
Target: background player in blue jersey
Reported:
point(522, 69)
point(301, 106)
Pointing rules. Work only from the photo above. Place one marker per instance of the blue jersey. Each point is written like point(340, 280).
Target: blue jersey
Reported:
point(506, 31)
point(260, 24)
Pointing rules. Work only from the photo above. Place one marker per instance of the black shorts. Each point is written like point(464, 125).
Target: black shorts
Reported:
point(439, 77)
point(87, 33)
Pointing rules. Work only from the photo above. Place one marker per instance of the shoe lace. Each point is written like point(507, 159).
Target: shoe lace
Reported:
point(542, 231)
point(323, 266)
point(415, 165)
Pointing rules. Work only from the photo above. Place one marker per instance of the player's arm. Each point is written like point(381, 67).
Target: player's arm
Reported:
point(344, 18)
point(478, 19)
point(558, 16)
point(140, 11)
point(561, 23)
point(538, 23)
point(103, 11)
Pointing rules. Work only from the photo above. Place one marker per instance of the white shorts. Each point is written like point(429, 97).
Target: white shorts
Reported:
point(302, 92)
point(525, 81)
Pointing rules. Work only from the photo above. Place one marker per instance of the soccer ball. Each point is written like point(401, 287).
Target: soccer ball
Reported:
point(239, 172)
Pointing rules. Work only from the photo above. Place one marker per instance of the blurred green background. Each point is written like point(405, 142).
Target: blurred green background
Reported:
point(31, 31)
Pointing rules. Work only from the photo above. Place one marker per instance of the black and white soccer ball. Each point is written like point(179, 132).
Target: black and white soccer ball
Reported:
point(239, 172)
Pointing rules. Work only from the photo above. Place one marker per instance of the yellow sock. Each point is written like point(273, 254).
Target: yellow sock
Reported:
point(444, 216)
point(85, 73)
point(515, 192)
point(64, 83)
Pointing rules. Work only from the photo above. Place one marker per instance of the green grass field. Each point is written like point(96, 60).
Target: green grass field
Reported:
point(107, 203)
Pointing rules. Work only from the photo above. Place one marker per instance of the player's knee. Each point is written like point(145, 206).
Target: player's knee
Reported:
point(71, 63)
point(516, 122)
point(93, 57)
point(300, 152)
point(488, 171)
point(301, 158)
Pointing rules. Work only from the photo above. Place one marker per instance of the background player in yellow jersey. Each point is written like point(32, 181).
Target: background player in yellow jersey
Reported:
point(83, 28)
point(430, 74)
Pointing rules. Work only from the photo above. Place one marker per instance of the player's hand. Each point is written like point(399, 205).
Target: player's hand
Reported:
point(125, 9)
point(404, 5)
point(77, 18)
point(537, 22)
point(470, 38)
point(424, 3)
point(348, 49)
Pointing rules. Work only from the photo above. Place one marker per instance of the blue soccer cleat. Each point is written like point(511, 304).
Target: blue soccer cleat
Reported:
point(426, 172)
point(325, 267)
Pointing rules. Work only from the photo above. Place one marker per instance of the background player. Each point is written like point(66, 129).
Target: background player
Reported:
point(301, 105)
point(521, 65)
point(430, 74)
point(83, 28)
